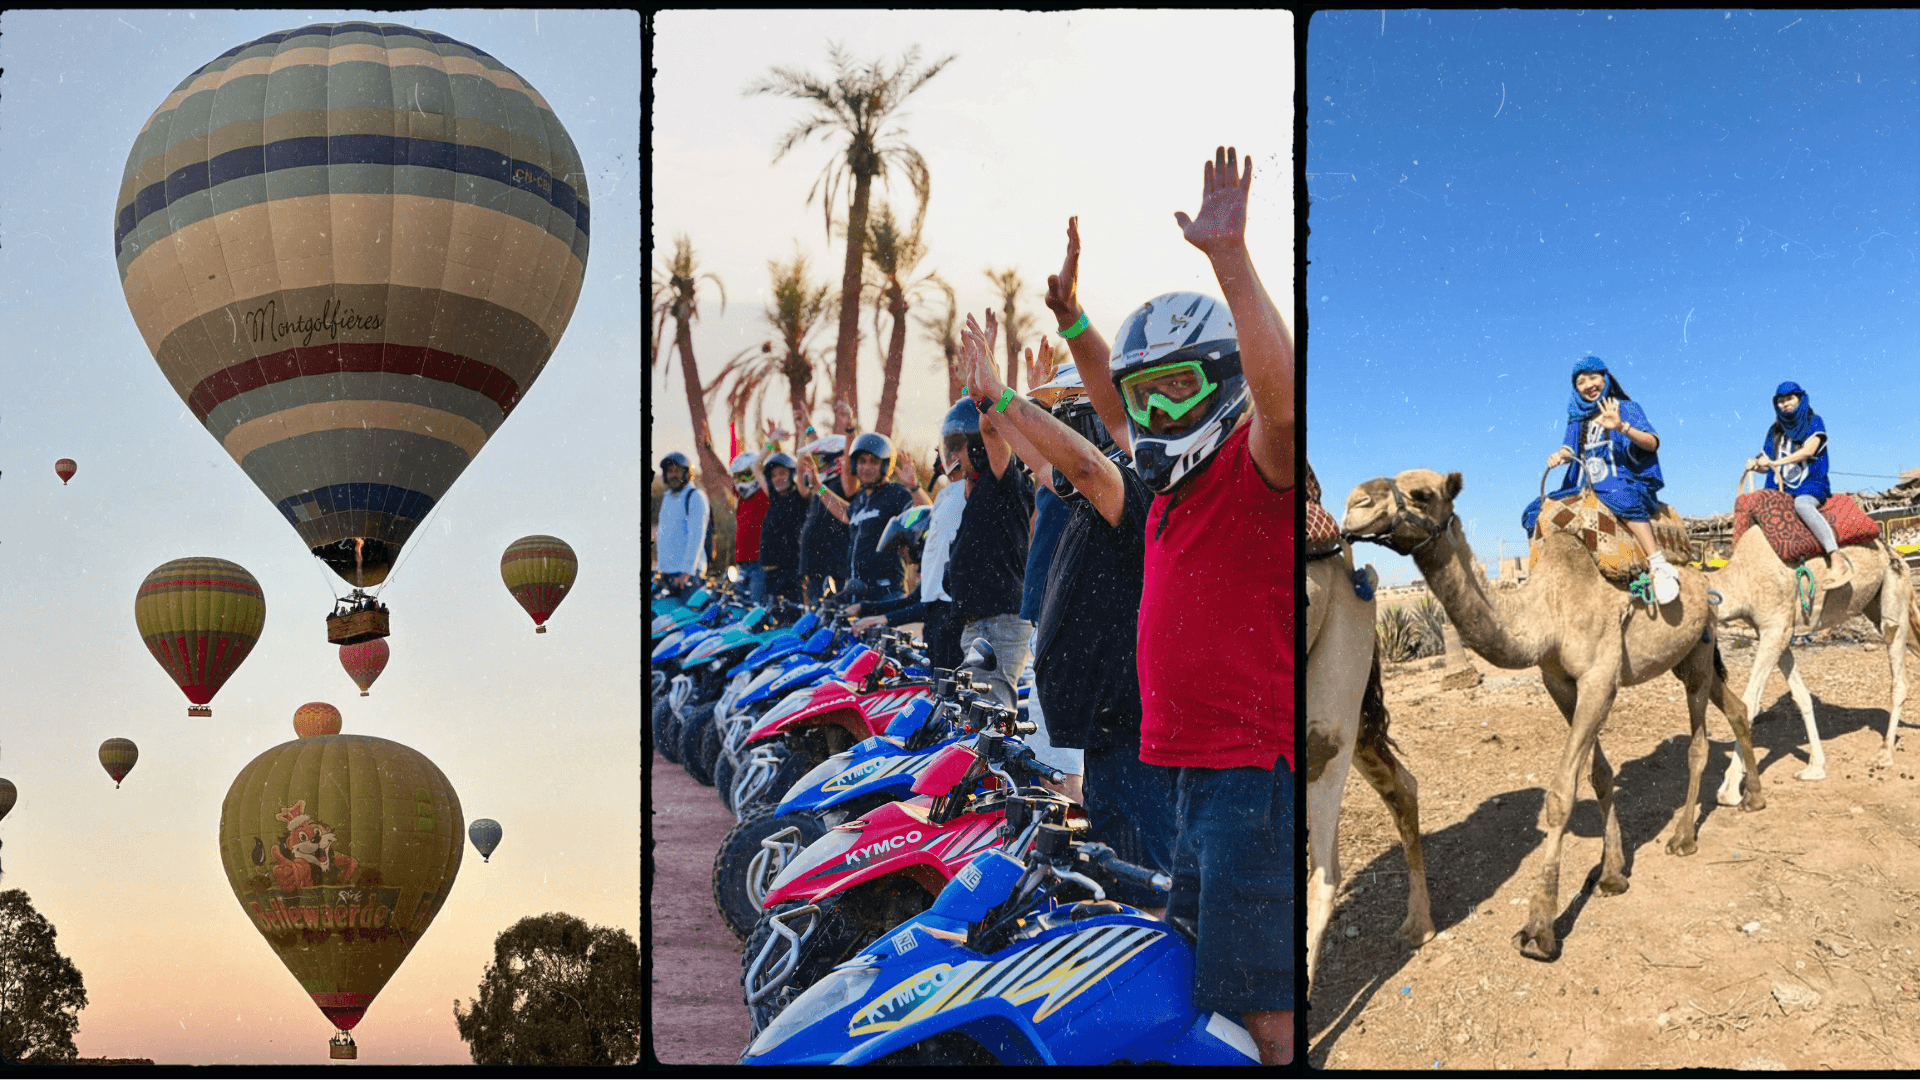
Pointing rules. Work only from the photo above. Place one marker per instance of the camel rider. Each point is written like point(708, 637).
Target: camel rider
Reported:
point(680, 548)
point(1616, 452)
point(1794, 454)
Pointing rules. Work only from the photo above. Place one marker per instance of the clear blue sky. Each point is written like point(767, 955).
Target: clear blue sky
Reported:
point(538, 732)
point(1711, 201)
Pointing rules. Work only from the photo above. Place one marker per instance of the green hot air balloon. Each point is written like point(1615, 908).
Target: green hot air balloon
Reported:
point(200, 617)
point(341, 849)
point(118, 756)
point(351, 248)
point(538, 571)
point(485, 834)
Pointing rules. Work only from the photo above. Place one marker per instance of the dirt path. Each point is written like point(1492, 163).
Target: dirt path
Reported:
point(698, 1017)
point(1787, 941)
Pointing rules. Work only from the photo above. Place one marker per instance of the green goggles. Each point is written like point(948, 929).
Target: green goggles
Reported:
point(1174, 389)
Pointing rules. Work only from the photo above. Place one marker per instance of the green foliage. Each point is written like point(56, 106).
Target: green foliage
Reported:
point(41, 992)
point(559, 992)
point(1409, 633)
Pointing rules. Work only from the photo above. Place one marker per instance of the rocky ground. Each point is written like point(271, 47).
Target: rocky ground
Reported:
point(1787, 942)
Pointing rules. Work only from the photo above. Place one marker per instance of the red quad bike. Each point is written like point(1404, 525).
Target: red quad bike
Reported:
point(788, 744)
point(844, 890)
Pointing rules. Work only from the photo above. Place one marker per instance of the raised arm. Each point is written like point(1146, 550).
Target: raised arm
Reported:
point(1052, 441)
point(1088, 347)
point(1266, 346)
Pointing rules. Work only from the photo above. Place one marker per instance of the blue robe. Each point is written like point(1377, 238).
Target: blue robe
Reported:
point(1624, 476)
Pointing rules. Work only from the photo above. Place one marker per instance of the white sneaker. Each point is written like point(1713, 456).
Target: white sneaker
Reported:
point(1666, 583)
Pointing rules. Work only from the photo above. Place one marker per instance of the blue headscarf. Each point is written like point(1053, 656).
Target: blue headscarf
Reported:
point(1579, 408)
point(1797, 426)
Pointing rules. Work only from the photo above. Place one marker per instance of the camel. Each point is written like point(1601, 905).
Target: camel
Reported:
point(1347, 722)
point(1588, 637)
point(1755, 587)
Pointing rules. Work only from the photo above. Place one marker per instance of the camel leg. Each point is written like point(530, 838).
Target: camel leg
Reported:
point(1885, 610)
point(1323, 846)
point(1613, 879)
point(1802, 699)
point(1736, 713)
point(1401, 793)
point(1769, 651)
point(1597, 689)
point(1697, 673)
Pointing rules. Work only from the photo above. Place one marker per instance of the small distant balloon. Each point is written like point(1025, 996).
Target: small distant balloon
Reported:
point(64, 469)
point(485, 834)
point(8, 795)
point(538, 571)
point(117, 756)
point(364, 662)
point(200, 618)
point(316, 718)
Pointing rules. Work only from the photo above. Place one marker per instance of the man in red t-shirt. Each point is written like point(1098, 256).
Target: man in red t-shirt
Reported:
point(748, 516)
point(1201, 394)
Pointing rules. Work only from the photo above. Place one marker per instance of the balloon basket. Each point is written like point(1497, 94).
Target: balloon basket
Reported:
point(363, 693)
point(356, 627)
point(341, 1048)
point(540, 629)
point(199, 710)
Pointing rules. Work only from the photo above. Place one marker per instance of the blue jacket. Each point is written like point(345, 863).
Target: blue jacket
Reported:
point(1807, 477)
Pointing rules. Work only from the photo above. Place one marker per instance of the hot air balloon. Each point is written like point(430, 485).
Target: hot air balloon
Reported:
point(485, 834)
point(364, 662)
point(351, 248)
point(538, 571)
point(8, 795)
point(64, 469)
point(117, 756)
point(316, 718)
point(200, 618)
point(341, 849)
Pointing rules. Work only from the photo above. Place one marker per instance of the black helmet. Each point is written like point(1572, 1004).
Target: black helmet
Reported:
point(909, 527)
point(879, 446)
point(1079, 414)
point(960, 433)
point(676, 458)
point(778, 459)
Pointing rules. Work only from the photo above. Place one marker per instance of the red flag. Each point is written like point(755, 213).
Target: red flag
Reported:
point(733, 440)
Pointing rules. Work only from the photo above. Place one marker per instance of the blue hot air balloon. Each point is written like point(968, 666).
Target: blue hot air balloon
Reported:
point(485, 834)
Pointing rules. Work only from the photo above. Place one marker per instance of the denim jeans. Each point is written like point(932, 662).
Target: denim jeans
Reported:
point(1009, 635)
point(1233, 875)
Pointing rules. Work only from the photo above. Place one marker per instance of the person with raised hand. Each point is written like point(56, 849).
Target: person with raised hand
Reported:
point(1204, 393)
point(874, 498)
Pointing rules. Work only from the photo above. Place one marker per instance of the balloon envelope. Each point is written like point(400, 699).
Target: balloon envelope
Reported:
point(341, 849)
point(8, 795)
point(316, 718)
point(351, 248)
point(364, 662)
point(64, 469)
point(200, 617)
point(485, 834)
point(118, 756)
point(538, 571)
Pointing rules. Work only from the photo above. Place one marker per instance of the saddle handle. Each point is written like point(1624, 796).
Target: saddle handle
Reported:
point(1586, 482)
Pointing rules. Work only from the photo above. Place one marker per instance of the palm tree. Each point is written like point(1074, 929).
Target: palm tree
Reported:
point(1015, 324)
point(944, 330)
point(796, 309)
point(674, 294)
point(859, 102)
point(895, 252)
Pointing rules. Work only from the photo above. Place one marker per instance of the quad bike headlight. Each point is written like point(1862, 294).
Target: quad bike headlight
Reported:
point(842, 987)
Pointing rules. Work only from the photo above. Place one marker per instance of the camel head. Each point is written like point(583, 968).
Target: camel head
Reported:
point(1404, 513)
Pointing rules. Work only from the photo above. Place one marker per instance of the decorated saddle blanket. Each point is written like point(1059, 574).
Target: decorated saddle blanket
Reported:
point(1614, 550)
point(1323, 533)
point(1772, 510)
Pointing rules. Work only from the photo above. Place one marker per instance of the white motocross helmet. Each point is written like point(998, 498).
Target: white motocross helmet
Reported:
point(742, 470)
point(1166, 332)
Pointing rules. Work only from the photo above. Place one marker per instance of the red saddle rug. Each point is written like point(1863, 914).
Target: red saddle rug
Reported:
point(1772, 510)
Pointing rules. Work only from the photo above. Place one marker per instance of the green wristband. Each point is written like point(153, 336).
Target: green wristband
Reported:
point(1079, 327)
point(1005, 397)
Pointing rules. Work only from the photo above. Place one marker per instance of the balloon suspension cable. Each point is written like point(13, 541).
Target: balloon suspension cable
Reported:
point(408, 553)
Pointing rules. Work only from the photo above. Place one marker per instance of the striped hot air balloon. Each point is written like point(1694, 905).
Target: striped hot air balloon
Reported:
point(364, 662)
point(538, 571)
point(200, 618)
point(352, 247)
point(64, 469)
point(316, 718)
point(118, 756)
